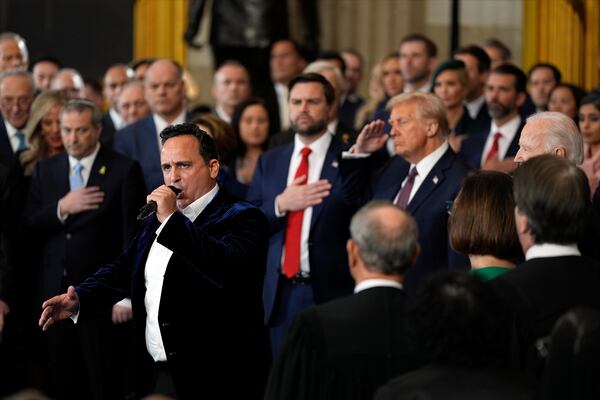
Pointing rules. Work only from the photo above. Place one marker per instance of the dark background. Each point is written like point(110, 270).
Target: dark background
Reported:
point(88, 35)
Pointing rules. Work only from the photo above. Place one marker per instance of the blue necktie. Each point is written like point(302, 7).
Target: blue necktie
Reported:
point(76, 178)
point(22, 144)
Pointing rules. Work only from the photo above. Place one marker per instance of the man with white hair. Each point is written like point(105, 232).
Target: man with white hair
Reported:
point(334, 126)
point(69, 81)
point(550, 132)
point(13, 52)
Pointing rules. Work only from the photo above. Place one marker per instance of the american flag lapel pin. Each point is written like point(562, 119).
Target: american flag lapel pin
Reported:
point(435, 180)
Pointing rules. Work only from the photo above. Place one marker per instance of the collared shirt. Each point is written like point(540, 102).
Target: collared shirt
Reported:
point(371, 283)
point(508, 131)
point(116, 118)
point(424, 167)
point(12, 135)
point(282, 101)
point(222, 114)
point(474, 106)
point(332, 126)
point(154, 273)
point(161, 124)
point(546, 250)
point(315, 165)
point(86, 162)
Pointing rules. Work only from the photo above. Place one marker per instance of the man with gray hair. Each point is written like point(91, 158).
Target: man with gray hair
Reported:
point(69, 81)
point(349, 347)
point(13, 52)
point(82, 207)
point(16, 96)
point(550, 132)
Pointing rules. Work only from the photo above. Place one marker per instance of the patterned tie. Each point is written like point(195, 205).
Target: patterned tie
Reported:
point(293, 229)
point(22, 144)
point(493, 153)
point(76, 178)
point(404, 194)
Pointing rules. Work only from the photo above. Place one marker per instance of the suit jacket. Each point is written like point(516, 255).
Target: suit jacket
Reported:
point(429, 206)
point(342, 132)
point(482, 121)
point(328, 228)
point(88, 239)
point(349, 108)
point(107, 136)
point(542, 289)
point(7, 155)
point(211, 291)
point(345, 349)
point(438, 382)
point(269, 95)
point(471, 149)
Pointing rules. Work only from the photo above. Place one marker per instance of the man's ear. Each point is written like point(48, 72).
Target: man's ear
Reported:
point(432, 128)
point(521, 97)
point(521, 222)
point(213, 166)
point(560, 151)
point(352, 250)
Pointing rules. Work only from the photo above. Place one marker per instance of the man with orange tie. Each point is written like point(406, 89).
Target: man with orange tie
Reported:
point(298, 187)
point(495, 148)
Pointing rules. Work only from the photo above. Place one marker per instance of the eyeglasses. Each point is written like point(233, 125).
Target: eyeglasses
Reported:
point(22, 101)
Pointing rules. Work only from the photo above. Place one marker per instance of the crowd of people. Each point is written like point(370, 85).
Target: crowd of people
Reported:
point(437, 239)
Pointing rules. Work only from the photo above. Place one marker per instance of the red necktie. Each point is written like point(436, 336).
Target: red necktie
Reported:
point(493, 153)
point(293, 229)
point(404, 194)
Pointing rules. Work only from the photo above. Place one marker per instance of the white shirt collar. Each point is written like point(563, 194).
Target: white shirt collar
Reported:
point(116, 118)
point(474, 106)
point(86, 161)
point(371, 283)
point(509, 129)
point(161, 124)
point(426, 164)
point(318, 147)
point(222, 114)
point(332, 126)
point(545, 250)
point(194, 209)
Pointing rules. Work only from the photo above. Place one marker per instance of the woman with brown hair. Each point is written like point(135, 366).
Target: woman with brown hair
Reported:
point(43, 129)
point(482, 224)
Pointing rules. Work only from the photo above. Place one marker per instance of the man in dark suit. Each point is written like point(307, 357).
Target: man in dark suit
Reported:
point(165, 93)
point(423, 178)
point(16, 96)
point(194, 273)
point(351, 101)
point(298, 188)
point(477, 63)
point(231, 86)
point(494, 148)
point(82, 208)
point(114, 79)
point(552, 199)
point(347, 348)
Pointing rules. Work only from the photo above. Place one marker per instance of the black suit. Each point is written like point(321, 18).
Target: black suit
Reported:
point(7, 154)
point(471, 149)
point(81, 361)
point(108, 131)
point(541, 290)
point(210, 315)
point(454, 383)
point(345, 349)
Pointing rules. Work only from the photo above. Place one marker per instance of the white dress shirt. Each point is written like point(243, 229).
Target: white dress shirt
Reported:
point(282, 101)
point(424, 167)
point(222, 114)
point(116, 118)
point(154, 273)
point(371, 283)
point(508, 131)
point(12, 136)
point(161, 124)
point(86, 164)
point(552, 250)
point(474, 106)
point(315, 165)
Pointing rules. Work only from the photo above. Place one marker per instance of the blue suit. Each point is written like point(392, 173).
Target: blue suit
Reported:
point(211, 291)
point(471, 149)
point(363, 181)
point(329, 231)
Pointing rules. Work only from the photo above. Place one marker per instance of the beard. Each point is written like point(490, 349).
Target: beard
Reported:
point(317, 127)
point(498, 110)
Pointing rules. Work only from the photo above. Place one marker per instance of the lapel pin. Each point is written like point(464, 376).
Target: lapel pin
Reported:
point(334, 164)
point(102, 170)
point(435, 180)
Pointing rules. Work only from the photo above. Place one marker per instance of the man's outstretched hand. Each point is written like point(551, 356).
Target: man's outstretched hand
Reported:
point(59, 307)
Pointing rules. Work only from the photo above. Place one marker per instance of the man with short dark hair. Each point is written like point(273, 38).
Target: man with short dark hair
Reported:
point(194, 272)
point(542, 78)
point(298, 187)
point(495, 147)
point(352, 101)
point(552, 199)
point(16, 96)
point(417, 61)
point(351, 346)
point(43, 70)
point(82, 207)
point(115, 77)
point(231, 86)
point(498, 52)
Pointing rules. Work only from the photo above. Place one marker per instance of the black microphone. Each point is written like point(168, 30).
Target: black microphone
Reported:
point(151, 206)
